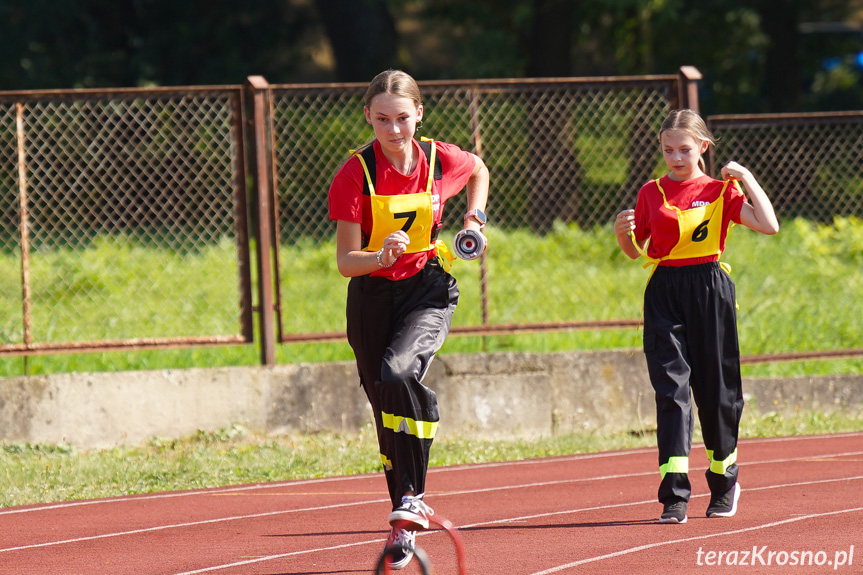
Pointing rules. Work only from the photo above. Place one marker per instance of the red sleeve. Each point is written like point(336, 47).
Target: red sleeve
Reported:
point(642, 213)
point(457, 167)
point(346, 192)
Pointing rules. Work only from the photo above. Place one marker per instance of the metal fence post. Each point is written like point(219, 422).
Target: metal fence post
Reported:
point(24, 220)
point(263, 208)
point(687, 87)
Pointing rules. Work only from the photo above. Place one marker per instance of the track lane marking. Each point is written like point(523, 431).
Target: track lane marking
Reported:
point(540, 515)
point(182, 525)
point(472, 525)
point(695, 538)
point(178, 494)
point(446, 469)
point(448, 493)
point(377, 501)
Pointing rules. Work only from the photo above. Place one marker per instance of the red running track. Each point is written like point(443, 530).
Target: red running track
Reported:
point(801, 511)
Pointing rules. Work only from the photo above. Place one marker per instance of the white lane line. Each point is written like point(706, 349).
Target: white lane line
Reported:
point(556, 513)
point(322, 549)
point(801, 437)
point(635, 451)
point(378, 501)
point(696, 538)
point(189, 524)
point(283, 556)
point(653, 502)
point(176, 494)
point(292, 483)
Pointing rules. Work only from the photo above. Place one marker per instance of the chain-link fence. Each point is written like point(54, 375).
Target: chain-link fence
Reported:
point(124, 219)
point(125, 210)
point(560, 152)
point(811, 163)
point(811, 166)
point(565, 151)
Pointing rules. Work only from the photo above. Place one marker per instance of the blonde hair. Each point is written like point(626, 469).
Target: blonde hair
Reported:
point(688, 121)
point(393, 82)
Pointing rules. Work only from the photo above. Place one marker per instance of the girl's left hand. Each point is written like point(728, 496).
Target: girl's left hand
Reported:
point(733, 171)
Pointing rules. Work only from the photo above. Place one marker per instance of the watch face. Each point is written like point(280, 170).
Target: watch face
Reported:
point(478, 215)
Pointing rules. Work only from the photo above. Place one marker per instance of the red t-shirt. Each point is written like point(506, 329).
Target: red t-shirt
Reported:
point(347, 202)
point(654, 220)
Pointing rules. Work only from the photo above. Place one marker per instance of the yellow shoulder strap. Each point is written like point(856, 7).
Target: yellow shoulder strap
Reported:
point(366, 171)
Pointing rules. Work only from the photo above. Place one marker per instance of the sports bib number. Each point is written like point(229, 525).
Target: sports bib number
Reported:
point(411, 213)
point(410, 217)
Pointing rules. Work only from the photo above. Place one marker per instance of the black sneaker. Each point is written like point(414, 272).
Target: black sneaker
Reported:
point(674, 512)
point(400, 547)
point(724, 505)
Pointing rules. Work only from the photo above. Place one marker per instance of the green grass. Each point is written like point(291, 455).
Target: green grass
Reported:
point(799, 291)
point(234, 456)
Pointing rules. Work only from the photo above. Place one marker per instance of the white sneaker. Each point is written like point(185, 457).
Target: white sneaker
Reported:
point(412, 514)
point(402, 543)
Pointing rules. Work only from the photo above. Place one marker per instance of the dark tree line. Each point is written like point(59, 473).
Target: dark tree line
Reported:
point(762, 55)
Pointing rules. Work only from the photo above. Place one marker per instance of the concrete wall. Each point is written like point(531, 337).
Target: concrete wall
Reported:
point(492, 395)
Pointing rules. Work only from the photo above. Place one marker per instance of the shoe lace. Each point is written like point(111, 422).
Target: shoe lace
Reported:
point(405, 537)
point(416, 503)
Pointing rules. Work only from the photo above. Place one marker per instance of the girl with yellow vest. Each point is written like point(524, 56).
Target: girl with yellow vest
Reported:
point(388, 201)
point(679, 224)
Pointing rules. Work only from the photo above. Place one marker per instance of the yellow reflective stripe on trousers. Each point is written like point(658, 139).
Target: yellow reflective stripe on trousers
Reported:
point(388, 464)
point(420, 429)
point(720, 467)
point(675, 465)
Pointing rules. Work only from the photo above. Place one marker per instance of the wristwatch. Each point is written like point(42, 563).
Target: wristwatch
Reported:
point(476, 214)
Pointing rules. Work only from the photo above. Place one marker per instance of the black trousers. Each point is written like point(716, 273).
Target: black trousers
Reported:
point(690, 342)
point(395, 329)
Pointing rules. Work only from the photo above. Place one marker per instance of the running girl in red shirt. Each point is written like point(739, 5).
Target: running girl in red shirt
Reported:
point(680, 223)
point(388, 201)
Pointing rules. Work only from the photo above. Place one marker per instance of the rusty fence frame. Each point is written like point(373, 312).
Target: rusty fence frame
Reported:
point(256, 210)
point(682, 87)
point(721, 122)
point(237, 97)
point(726, 122)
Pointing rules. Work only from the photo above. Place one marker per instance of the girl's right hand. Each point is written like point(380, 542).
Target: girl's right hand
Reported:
point(394, 246)
point(733, 171)
point(397, 241)
point(625, 222)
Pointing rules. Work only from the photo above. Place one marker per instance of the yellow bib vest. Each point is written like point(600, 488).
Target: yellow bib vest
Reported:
point(411, 213)
point(700, 231)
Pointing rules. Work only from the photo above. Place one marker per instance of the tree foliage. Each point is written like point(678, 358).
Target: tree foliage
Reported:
point(762, 55)
point(111, 43)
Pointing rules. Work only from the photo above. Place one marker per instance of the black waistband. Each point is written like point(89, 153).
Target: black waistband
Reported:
point(690, 269)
